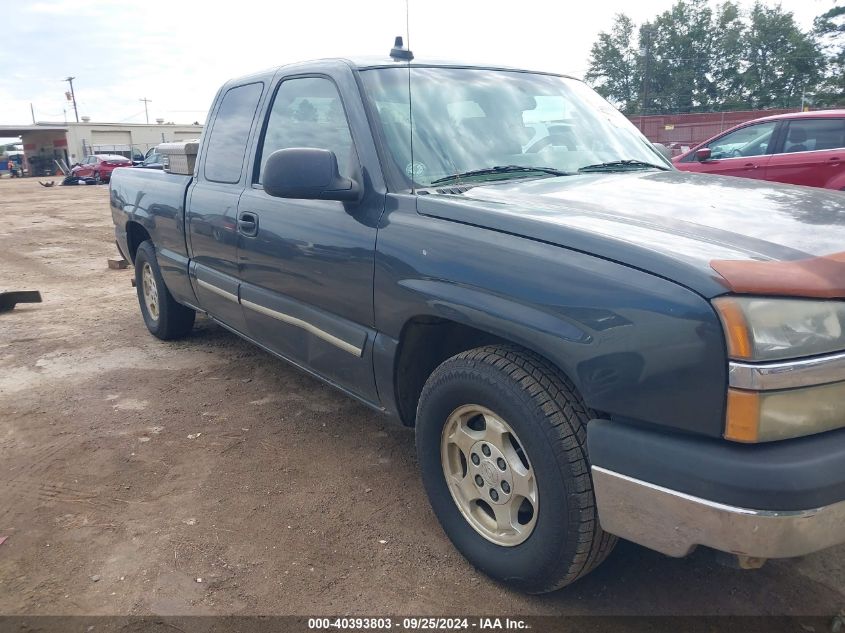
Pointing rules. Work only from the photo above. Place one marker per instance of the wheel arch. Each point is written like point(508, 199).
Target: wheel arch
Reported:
point(135, 235)
point(426, 341)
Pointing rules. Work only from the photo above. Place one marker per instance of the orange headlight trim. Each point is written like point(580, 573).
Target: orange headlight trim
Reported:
point(735, 326)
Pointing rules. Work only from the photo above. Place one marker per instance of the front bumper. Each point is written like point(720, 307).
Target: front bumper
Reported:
point(675, 523)
point(673, 491)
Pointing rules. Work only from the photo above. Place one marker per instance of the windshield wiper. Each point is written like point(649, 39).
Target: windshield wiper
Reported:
point(616, 165)
point(501, 169)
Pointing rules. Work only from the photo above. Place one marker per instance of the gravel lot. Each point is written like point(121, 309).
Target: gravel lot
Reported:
point(206, 477)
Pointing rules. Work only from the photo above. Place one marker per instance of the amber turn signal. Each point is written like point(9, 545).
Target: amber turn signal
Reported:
point(743, 416)
point(735, 326)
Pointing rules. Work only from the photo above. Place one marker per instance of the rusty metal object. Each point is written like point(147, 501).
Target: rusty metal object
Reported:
point(822, 277)
point(8, 300)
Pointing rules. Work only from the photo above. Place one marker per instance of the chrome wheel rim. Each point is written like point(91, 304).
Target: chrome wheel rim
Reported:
point(149, 290)
point(489, 475)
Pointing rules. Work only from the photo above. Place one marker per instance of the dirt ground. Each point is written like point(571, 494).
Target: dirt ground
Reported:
point(206, 477)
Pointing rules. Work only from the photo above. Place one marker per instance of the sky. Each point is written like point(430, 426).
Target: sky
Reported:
point(178, 52)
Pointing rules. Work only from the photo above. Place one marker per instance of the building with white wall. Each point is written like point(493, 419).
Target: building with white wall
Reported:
point(45, 142)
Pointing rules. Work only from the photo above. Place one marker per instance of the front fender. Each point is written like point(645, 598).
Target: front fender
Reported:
point(635, 345)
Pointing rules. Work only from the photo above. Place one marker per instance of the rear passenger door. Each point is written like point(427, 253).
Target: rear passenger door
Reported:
point(812, 153)
point(213, 204)
point(306, 266)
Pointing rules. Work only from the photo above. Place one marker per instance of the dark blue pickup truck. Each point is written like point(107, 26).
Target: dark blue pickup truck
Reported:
point(589, 343)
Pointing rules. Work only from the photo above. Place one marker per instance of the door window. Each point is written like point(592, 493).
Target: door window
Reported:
point(230, 133)
point(308, 112)
point(810, 135)
point(752, 140)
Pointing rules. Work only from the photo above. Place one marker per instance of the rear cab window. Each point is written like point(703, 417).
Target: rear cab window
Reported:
point(227, 141)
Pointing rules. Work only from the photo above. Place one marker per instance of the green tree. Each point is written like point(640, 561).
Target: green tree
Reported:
point(678, 51)
point(830, 31)
point(727, 58)
point(613, 65)
point(692, 58)
point(781, 61)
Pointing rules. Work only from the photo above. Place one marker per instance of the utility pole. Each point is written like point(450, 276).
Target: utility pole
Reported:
point(803, 89)
point(73, 96)
point(146, 113)
point(645, 51)
point(32, 109)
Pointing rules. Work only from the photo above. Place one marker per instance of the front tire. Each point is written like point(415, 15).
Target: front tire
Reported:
point(501, 441)
point(163, 316)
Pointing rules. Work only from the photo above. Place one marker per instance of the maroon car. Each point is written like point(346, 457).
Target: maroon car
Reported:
point(100, 166)
point(802, 148)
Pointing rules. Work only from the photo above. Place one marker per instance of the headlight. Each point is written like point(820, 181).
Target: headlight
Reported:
point(763, 329)
point(796, 395)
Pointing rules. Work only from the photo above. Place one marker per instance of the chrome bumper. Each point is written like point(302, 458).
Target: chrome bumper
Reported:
point(674, 523)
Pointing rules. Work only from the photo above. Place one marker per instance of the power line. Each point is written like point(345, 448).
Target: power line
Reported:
point(132, 116)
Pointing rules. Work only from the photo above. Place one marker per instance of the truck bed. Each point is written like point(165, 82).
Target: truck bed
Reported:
point(154, 201)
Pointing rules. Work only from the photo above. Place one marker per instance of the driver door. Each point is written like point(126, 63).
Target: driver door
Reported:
point(306, 266)
point(84, 170)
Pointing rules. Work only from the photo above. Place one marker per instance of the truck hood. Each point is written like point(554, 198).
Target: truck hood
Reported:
point(673, 224)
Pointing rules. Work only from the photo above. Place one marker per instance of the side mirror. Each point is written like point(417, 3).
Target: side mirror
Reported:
point(702, 154)
point(307, 174)
point(663, 150)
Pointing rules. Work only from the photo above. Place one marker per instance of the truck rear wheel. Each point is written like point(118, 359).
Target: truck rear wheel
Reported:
point(501, 440)
point(163, 316)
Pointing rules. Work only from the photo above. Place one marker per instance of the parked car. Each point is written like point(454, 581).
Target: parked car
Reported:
point(153, 159)
point(802, 148)
point(589, 343)
point(99, 167)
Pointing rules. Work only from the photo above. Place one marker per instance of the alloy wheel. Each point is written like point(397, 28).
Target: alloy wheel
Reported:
point(489, 475)
point(150, 291)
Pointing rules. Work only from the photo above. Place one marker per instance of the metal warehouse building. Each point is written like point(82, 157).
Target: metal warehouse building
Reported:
point(45, 142)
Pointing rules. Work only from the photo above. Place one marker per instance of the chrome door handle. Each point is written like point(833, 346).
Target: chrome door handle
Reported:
point(248, 224)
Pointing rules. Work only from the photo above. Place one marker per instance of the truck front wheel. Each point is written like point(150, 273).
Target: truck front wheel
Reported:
point(163, 316)
point(501, 441)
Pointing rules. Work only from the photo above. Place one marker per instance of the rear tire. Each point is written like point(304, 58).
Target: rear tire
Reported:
point(550, 535)
point(163, 316)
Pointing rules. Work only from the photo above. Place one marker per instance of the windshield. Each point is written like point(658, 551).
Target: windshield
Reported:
point(466, 120)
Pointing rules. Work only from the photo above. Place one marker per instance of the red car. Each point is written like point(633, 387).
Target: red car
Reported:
point(100, 167)
point(802, 148)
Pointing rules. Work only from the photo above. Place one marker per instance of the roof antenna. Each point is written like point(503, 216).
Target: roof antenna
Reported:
point(399, 52)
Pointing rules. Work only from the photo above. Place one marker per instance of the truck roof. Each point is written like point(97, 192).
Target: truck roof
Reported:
point(375, 61)
point(364, 63)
